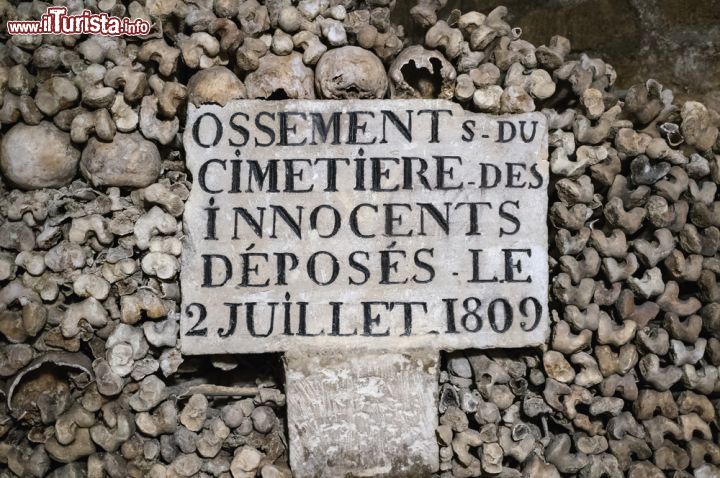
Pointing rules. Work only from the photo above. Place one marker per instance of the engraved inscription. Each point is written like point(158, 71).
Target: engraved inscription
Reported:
point(376, 224)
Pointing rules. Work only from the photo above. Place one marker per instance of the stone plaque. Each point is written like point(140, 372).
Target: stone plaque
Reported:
point(395, 225)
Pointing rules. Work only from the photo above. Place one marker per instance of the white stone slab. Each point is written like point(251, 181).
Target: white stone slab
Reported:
point(395, 265)
point(362, 415)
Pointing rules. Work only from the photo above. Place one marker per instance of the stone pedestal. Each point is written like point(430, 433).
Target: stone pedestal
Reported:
point(362, 414)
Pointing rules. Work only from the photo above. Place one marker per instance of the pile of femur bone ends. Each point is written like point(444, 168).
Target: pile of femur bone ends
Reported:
point(92, 380)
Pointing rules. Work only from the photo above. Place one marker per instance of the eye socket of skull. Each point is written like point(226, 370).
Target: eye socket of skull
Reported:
point(350, 73)
point(281, 77)
point(421, 73)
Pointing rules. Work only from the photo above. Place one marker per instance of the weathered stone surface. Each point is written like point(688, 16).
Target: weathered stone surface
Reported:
point(40, 156)
point(362, 414)
point(128, 160)
point(435, 237)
